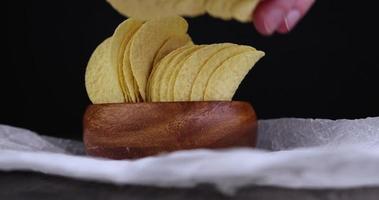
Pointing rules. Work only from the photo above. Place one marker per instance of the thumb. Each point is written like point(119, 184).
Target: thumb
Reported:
point(279, 15)
point(300, 8)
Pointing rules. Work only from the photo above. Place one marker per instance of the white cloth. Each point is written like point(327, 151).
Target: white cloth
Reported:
point(296, 153)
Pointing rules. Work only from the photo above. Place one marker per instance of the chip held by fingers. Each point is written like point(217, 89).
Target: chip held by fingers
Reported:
point(240, 10)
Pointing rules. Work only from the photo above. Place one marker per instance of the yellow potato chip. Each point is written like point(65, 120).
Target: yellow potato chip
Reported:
point(101, 80)
point(243, 10)
point(171, 44)
point(153, 9)
point(190, 7)
point(144, 9)
point(190, 69)
point(127, 76)
point(169, 94)
point(201, 80)
point(221, 8)
point(170, 72)
point(146, 43)
point(136, 92)
point(225, 80)
point(120, 39)
point(159, 70)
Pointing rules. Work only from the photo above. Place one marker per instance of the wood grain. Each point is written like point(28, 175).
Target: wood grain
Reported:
point(121, 131)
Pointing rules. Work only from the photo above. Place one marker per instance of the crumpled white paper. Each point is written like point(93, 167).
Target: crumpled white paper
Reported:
point(296, 153)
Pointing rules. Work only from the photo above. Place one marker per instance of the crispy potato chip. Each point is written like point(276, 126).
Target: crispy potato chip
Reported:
point(146, 43)
point(127, 75)
point(156, 76)
point(201, 80)
point(170, 72)
point(171, 44)
point(190, 69)
point(159, 71)
point(153, 9)
point(243, 10)
point(136, 92)
point(144, 9)
point(120, 39)
point(225, 80)
point(169, 94)
point(221, 8)
point(101, 77)
point(157, 61)
point(190, 8)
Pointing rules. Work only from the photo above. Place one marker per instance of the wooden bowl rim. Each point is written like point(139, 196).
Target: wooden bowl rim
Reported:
point(171, 102)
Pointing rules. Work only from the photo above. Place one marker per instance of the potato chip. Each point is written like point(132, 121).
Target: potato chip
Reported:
point(201, 80)
point(190, 8)
point(120, 40)
point(127, 75)
point(169, 94)
point(157, 61)
point(221, 8)
point(190, 69)
point(144, 9)
point(153, 9)
point(127, 7)
point(101, 80)
point(136, 92)
point(159, 70)
point(171, 44)
point(146, 43)
point(243, 10)
point(168, 78)
point(225, 80)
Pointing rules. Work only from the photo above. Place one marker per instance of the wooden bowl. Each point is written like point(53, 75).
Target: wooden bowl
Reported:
point(120, 131)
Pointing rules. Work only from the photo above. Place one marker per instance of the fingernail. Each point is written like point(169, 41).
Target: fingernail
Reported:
point(273, 20)
point(292, 18)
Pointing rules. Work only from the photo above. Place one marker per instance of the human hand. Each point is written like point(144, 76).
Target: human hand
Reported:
point(280, 15)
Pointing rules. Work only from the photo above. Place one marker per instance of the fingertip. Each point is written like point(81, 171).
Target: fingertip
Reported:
point(283, 29)
point(304, 5)
point(293, 17)
point(260, 26)
point(267, 20)
point(258, 21)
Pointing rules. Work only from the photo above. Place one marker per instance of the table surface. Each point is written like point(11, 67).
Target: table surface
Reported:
point(29, 185)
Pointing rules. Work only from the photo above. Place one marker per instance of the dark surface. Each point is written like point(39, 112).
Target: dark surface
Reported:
point(27, 185)
point(326, 68)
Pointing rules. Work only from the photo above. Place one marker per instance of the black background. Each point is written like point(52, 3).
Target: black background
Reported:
point(326, 68)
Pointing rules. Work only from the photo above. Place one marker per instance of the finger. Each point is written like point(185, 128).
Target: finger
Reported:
point(301, 7)
point(270, 14)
